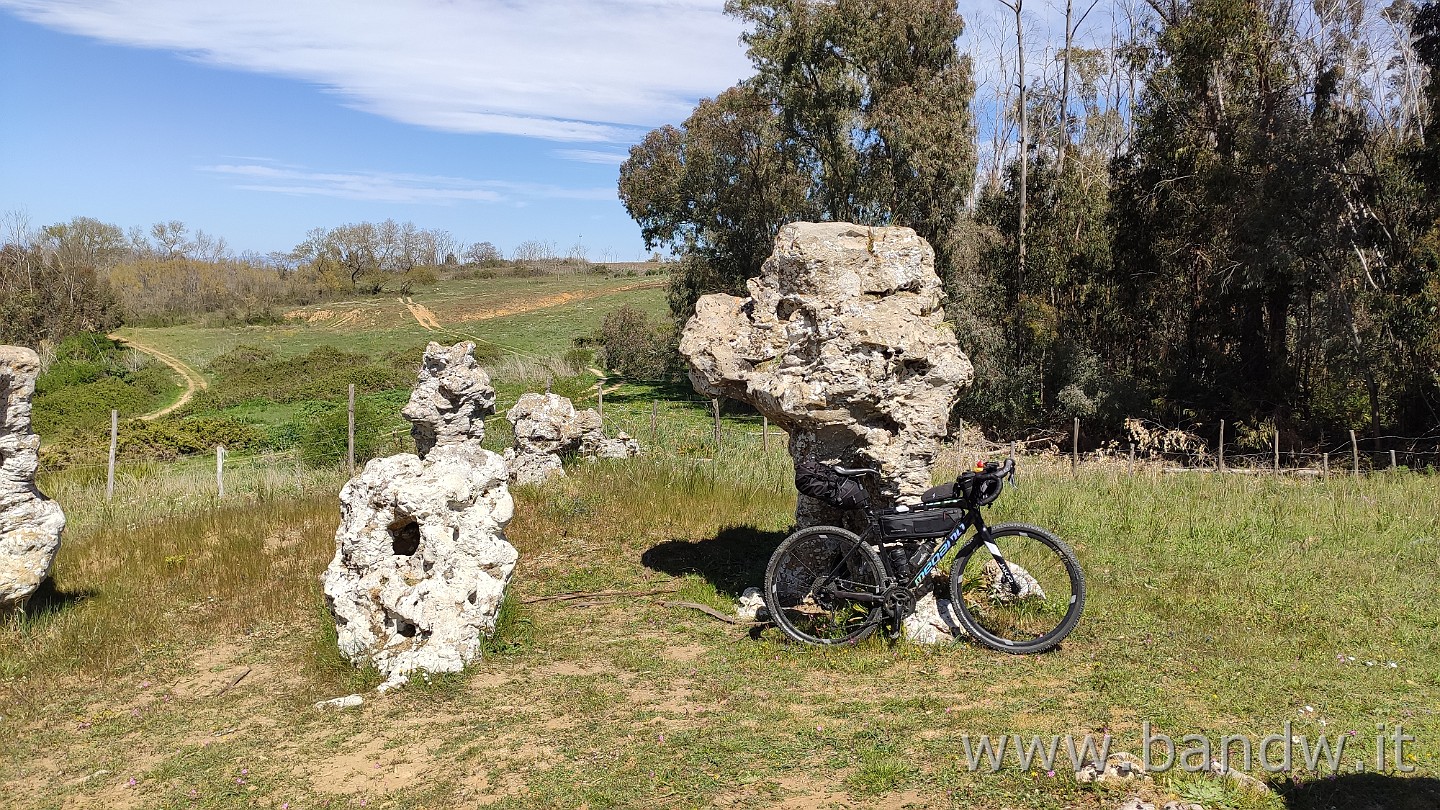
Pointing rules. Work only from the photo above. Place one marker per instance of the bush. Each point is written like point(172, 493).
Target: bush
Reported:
point(249, 374)
point(323, 440)
point(183, 437)
point(90, 376)
point(637, 347)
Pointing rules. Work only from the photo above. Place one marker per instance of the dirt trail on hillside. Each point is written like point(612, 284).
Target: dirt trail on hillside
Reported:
point(547, 301)
point(422, 314)
point(192, 378)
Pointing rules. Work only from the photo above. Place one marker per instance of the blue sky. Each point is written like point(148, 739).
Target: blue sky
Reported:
point(260, 120)
point(494, 121)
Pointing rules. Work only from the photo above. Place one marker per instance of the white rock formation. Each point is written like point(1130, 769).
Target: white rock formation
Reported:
point(421, 560)
point(548, 428)
point(751, 607)
point(933, 622)
point(30, 523)
point(842, 343)
point(451, 399)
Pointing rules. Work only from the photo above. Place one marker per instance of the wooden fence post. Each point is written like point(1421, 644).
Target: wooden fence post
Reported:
point(1325, 465)
point(547, 383)
point(1131, 472)
point(1221, 465)
point(715, 409)
point(110, 467)
point(1277, 451)
point(1012, 451)
point(350, 433)
point(1354, 455)
point(1075, 447)
point(220, 469)
point(600, 397)
point(765, 433)
point(654, 413)
point(1392, 459)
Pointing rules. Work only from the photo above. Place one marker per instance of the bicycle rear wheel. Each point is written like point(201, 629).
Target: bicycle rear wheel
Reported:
point(802, 579)
point(1030, 612)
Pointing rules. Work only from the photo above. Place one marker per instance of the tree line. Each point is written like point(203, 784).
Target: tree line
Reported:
point(87, 276)
point(1217, 209)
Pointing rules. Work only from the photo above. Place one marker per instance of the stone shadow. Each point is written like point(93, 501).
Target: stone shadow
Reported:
point(1364, 791)
point(732, 560)
point(47, 600)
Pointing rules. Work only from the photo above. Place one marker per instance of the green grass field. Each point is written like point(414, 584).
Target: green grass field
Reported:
point(174, 660)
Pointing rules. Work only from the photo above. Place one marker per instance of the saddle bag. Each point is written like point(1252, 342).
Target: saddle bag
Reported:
point(822, 483)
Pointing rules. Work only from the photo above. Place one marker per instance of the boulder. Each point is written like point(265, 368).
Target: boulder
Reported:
point(548, 429)
point(451, 399)
point(30, 523)
point(842, 342)
point(933, 622)
point(421, 559)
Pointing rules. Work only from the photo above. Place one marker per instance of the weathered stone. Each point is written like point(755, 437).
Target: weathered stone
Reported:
point(451, 398)
point(346, 702)
point(1122, 766)
point(548, 429)
point(991, 578)
point(30, 523)
point(842, 343)
point(1136, 803)
point(933, 622)
point(421, 560)
point(751, 607)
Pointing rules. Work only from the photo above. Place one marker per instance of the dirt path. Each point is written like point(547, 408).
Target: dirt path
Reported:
point(192, 378)
point(422, 314)
point(555, 300)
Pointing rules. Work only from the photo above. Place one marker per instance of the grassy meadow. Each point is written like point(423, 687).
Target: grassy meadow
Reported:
point(174, 659)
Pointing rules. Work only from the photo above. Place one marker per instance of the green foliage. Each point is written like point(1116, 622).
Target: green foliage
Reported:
point(859, 112)
point(90, 376)
point(46, 297)
point(176, 437)
point(323, 441)
point(638, 347)
point(251, 374)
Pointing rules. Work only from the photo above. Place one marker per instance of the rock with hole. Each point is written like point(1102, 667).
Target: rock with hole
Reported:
point(30, 523)
point(421, 559)
point(842, 342)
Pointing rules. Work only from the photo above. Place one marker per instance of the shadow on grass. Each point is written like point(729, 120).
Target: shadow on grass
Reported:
point(47, 601)
point(1365, 790)
point(732, 560)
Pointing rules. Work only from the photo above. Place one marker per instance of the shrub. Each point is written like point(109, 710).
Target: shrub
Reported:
point(323, 441)
point(181, 437)
point(636, 346)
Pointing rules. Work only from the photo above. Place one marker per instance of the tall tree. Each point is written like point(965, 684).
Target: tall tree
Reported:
point(859, 111)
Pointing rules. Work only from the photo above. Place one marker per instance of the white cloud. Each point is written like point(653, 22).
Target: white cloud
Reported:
point(393, 187)
point(565, 70)
point(592, 156)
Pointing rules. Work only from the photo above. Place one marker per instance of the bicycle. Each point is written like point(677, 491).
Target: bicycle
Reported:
point(828, 585)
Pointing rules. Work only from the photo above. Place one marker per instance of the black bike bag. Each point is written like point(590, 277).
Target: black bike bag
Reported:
point(822, 483)
point(915, 523)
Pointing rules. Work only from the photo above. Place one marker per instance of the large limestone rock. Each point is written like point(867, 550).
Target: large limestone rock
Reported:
point(547, 429)
point(842, 343)
point(30, 523)
point(451, 399)
point(421, 560)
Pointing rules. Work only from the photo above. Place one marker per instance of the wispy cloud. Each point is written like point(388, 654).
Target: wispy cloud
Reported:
point(392, 187)
point(565, 70)
point(592, 156)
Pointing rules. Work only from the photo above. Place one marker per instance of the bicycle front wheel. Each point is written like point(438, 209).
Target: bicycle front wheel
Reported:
point(806, 576)
point(1035, 607)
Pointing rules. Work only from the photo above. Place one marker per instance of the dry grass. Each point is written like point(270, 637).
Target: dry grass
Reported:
point(1218, 606)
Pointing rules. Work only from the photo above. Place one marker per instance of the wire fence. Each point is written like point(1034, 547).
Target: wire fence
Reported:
point(698, 430)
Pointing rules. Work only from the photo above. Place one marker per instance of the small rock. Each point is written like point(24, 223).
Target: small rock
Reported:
point(1182, 806)
point(1134, 803)
point(1121, 766)
point(347, 702)
point(752, 606)
point(1240, 778)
